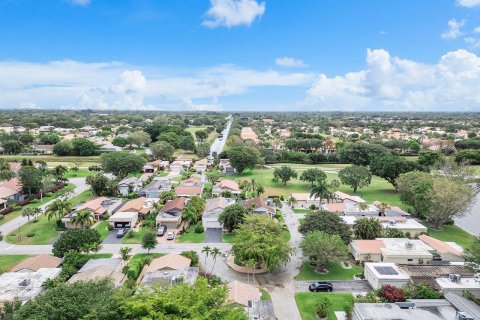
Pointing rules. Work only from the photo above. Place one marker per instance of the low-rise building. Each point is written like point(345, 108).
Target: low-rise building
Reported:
point(98, 206)
point(213, 208)
point(201, 165)
point(379, 274)
point(188, 192)
point(226, 186)
point(36, 263)
point(303, 200)
point(259, 206)
point(127, 185)
point(96, 269)
point(155, 188)
point(458, 285)
point(444, 251)
point(242, 293)
point(171, 213)
point(226, 167)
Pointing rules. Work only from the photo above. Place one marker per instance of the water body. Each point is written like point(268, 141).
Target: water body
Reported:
point(470, 222)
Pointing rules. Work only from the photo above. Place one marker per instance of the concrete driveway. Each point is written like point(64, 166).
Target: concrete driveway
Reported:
point(213, 235)
point(338, 285)
point(112, 238)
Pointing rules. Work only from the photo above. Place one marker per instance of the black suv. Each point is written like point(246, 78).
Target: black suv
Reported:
point(320, 286)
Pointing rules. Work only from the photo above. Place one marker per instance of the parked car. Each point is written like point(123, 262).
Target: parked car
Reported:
point(170, 235)
point(161, 230)
point(121, 233)
point(320, 286)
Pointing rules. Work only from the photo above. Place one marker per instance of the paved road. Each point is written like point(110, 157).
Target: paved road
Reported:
point(338, 285)
point(218, 145)
point(14, 224)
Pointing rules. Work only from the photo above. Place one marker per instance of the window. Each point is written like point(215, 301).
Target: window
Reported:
point(410, 260)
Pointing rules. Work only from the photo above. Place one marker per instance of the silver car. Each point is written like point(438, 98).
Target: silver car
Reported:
point(170, 235)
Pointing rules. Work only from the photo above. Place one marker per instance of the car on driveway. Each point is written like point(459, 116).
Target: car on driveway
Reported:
point(121, 233)
point(320, 286)
point(170, 235)
point(161, 230)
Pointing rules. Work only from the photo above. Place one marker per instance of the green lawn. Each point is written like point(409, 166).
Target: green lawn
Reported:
point(44, 232)
point(306, 303)
point(99, 255)
point(137, 237)
point(18, 212)
point(452, 233)
point(81, 173)
point(336, 272)
point(228, 237)
point(301, 211)
point(53, 161)
point(379, 189)
point(265, 295)
point(102, 229)
point(7, 262)
point(192, 237)
point(82, 197)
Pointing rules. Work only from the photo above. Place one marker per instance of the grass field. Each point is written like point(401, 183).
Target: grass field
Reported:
point(81, 173)
point(82, 197)
point(335, 272)
point(52, 160)
point(18, 212)
point(452, 233)
point(379, 189)
point(306, 303)
point(7, 262)
point(137, 236)
point(228, 237)
point(301, 211)
point(191, 237)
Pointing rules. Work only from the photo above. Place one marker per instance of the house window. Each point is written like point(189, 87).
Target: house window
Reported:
point(409, 260)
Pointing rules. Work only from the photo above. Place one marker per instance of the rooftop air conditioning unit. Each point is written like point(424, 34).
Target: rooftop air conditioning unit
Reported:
point(463, 316)
point(392, 222)
point(24, 282)
point(409, 245)
point(454, 277)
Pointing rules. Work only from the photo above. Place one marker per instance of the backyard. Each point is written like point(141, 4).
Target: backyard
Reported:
point(306, 303)
point(335, 272)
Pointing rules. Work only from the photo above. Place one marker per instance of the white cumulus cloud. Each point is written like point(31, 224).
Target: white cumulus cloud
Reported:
point(454, 29)
point(468, 3)
point(231, 13)
point(290, 62)
point(188, 104)
point(392, 83)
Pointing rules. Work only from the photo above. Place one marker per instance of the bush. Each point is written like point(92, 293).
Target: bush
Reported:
point(30, 234)
point(94, 168)
point(322, 306)
point(130, 234)
point(392, 294)
point(6, 210)
point(199, 228)
point(110, 227)
point(1, 217)
point(421, 291)
point(192, 255)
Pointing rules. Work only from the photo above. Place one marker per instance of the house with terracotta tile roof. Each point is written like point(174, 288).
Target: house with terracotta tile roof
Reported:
point(367, 250)
point(171, 261)
point(11, 190)
point(242, 293)
point(188, 192)
point(201, 165)
point(303, 200)
point(213, 208)
point(99, 206)
point(447, 251)
point(37, 262)
point(259, 206)
point(171, 213)
point(139, 205)
point(96, 269)
point(226, 185)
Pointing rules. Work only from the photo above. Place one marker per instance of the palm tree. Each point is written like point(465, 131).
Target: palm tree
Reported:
point(189, 215)
point(292, 201)
point(260, 190)
point(83, 218)
point(321, 190)
point(58, 209)
point(383, 207)
point(36, 212)
point(125, 253)
point(206, 250)
point(363, 206)
point(28, 212)
point(215, 252)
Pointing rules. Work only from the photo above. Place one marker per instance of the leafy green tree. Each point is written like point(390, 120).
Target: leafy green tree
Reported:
point(200, 301)
point(83, 218)
point(284, 174)
point(149, 241)
point(63, 148)
point(448, 199)
point(413, 188)
point(367, 228)
point(166, 196)
point(49, 138)
point(187, 143)
point(139, 138)
point(120, 142)
point(162, 150)
point(13, 146)
point(125, 253)
point(243, 157)
point(203, 149)
point(80, 300)
point(59, 171)
point(31, 179)
point(260, 238)
point(75, 240)
point(393, 233)
point(473, 251)
point(121, 164)
point(98, 183)
point(390, 166)
point(355, 177)
point(232, 216)
point(428, 158)
point(201, 135)
point(327, 222)
point(312, 175)
point(360, 154)
point(5, 172)
point(323, 248)
point(84, 147)
point(322, 306)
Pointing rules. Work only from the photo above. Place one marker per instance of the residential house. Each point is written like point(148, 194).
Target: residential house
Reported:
point(98, 206)
point(213, 208)
point(379, 274)
point(226, 186)
point(140, 205)
point(178, 166)
point(11, 190)
point(155, 188)
point(96, 269)
point(200, 166)
point(108, 147)
point(242, 293)
point(367, 250)
point(303, 200)
point(121, 220)
point(23, 286)
point(43, 149)
point(35, 263)
point(259, 206)
point(171, 213)
point(410, 226)
point(149, 168)
point(260, 309)
point(170, 277)
point(128, 185)
point(171, 261)
point(444, 251)
point(189, 191)
point(225, 166)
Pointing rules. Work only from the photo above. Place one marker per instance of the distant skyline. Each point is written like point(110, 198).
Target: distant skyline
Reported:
point(241, 55)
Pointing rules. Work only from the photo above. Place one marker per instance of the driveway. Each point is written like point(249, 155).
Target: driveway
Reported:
point(112, 238)
point(338, 285)
point(213, 235)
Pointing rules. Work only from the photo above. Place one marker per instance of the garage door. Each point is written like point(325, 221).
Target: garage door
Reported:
point(121, 225)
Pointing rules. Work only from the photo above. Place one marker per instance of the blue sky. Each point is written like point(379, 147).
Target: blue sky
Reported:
point(240, 54)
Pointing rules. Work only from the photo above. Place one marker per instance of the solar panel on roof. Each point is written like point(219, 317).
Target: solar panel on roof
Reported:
point(387, 271)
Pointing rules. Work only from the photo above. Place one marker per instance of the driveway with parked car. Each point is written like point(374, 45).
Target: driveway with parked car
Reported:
point(338, 285)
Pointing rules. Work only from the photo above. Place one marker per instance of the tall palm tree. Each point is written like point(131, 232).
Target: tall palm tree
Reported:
point(215, 252)
point(83, 218)
point(260, 190)
point(28, 212)
point(206, 250)
point(321, 190)
point(363, 206)
point(383, 207)
point(58, 209)
point(292, 201)
point(36, 212)
point(125, 253)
